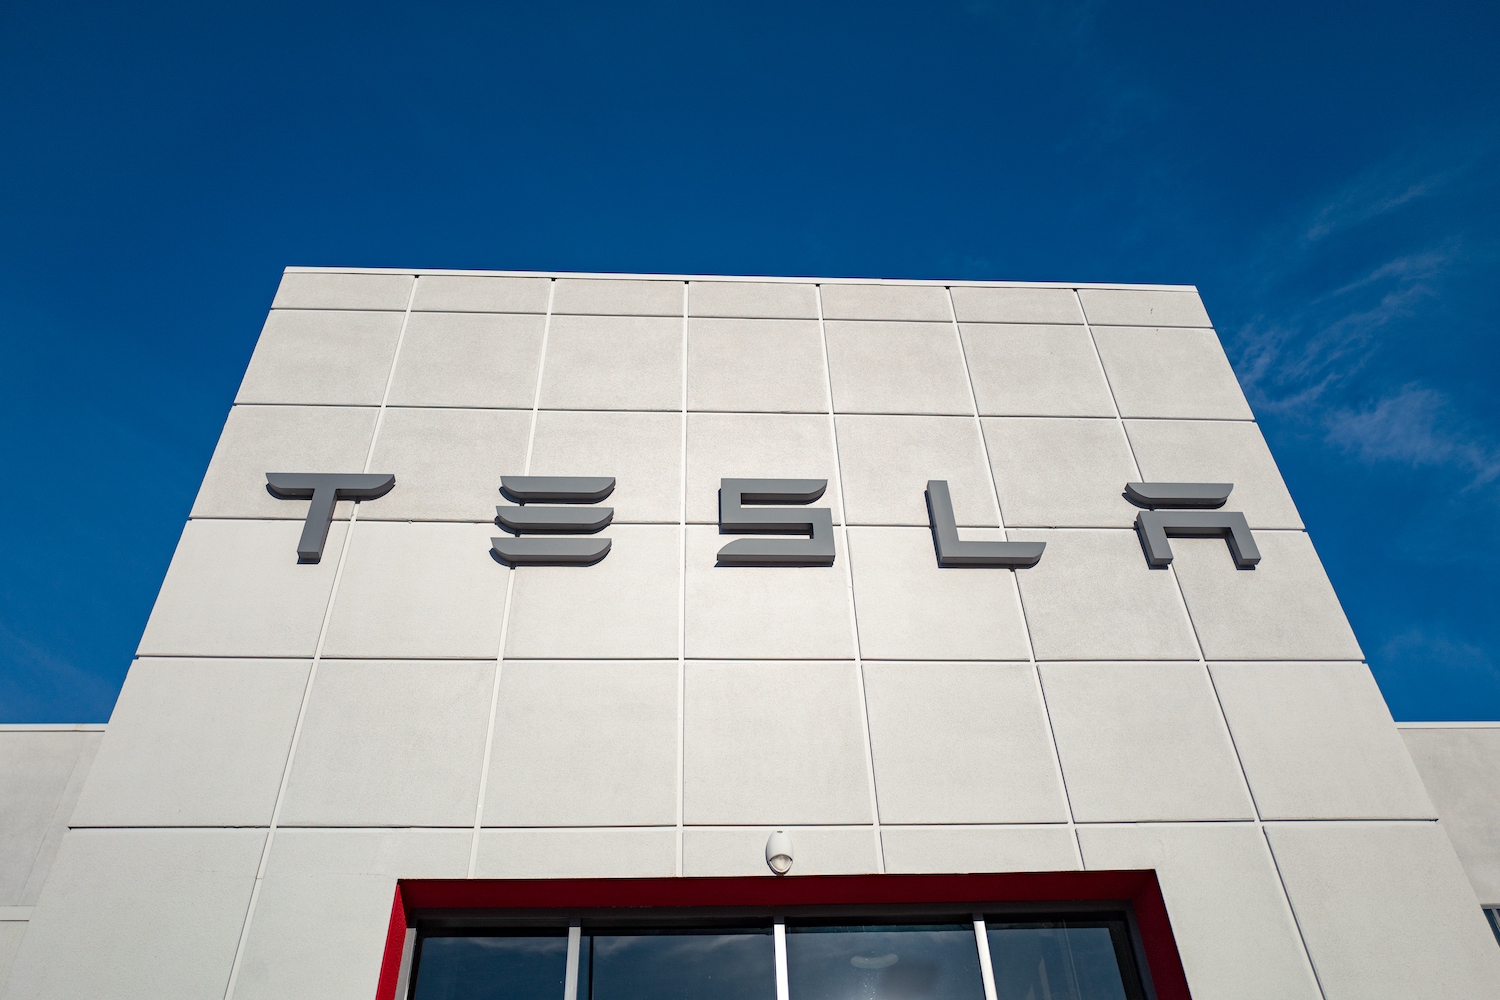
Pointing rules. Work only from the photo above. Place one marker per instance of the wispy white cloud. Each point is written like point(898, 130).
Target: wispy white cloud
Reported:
point(34, 675)
point(1415, 426)
point(1323, 363)
point(1398, 181)
point(1427, 646)
point(1368, 198)
point(1288, 364)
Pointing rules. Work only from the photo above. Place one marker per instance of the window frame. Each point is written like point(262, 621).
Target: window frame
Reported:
point(566, 903)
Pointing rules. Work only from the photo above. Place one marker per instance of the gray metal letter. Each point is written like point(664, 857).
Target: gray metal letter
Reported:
point(1156, 525)
point(557, 489)
point(1152, 495)
point(324, 489)
point(735, 518)
point(553, 520)
point(953, 551)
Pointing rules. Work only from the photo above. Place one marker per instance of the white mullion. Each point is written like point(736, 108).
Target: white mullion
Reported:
point(570, 981)
point(778, 929)
point(408, 953)
point(986, 970)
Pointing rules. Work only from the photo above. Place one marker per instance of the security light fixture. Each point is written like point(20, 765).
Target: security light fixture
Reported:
point(779, 852)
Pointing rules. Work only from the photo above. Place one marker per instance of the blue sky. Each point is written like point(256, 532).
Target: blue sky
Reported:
point(1325, 174)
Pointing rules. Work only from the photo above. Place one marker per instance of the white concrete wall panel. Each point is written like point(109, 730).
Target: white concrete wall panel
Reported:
point(42, 774)
point(887, 462)
point(978, 304)
point(391, 743)
point(577, 853)
point(447, 462)
point(324, 357)
point(1233, 928)
point(643, 451)
point(1035, 371)
point(195, 743)
point(418, 591)
point(993, 762)
point(1285, 609)
point(235, 588)
point(1170, 373)
point(468, 359)
point(1216, 451)
point(1092, 597)
point(1142, 307)
point(753, 299)
point(920, 850)
point(139, 915)
point(1143, 742)
point(261, 439)
point(733, 852)
point(325, 906)
point(773, 743)
point(885, 367)
point(12, 932)
point(1061, 473)
point(756, 365)
point(755, 612)
point(624, 607)
point(757, 446)
point(616, 297)
point(1317, 742)
point(1386, 911)
point(584, 744)
point(480, 294)
point(885, 302)
point(908, 608)
point(388, 292)
point(1460, 768)
point(613, 363)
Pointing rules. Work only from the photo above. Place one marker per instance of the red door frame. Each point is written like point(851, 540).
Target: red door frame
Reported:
point(1139, 889)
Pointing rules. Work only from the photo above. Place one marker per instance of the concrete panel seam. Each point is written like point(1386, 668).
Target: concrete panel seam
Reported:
point(843, 529)
point(286, 773)
point(1296, 921)
point(510, 588)
point(984, 445)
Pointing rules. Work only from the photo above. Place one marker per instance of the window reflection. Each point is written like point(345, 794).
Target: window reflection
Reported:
point(682, 965)
point(1060, 961)
point(492, 968)
point(883, 963)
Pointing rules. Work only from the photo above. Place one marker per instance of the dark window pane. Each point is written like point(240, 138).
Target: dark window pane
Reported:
point(492, 968)
point(883, 963)
point(712, 965)
point(1057, 961)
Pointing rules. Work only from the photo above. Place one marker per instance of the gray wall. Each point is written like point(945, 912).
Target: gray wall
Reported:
point(294, 738)
point(41, 773)
point(1460, 765)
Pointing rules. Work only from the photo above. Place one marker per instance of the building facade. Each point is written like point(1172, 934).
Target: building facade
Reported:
point(525, 626)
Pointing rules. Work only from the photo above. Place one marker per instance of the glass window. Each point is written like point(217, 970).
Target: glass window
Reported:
point(1492, 914)
point(679, 956)
point(492, 967)
point(1066, 960)
point(938, 962)
point(681, 965)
